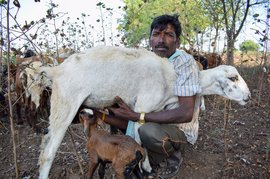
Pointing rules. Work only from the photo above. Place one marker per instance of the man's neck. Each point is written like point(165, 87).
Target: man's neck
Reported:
point(175, 54)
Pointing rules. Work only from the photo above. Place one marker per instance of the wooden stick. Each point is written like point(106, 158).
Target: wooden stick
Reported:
point(75, 151)
point(225, 117)
point(9, 98)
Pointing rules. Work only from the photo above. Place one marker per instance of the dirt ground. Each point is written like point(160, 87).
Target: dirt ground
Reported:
point(241, 150)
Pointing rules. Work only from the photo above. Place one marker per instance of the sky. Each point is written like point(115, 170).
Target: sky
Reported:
point(31, 10)
point(248, 32)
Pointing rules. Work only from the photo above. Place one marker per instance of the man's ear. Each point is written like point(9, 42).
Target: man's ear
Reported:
point(178, 43)
point(150, 43)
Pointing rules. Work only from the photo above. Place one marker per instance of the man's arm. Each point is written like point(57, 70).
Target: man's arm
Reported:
point(182, 114)
point(113, 120)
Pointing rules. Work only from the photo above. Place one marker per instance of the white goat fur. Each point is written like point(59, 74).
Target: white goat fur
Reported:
point(141, 78)
point(30, 85)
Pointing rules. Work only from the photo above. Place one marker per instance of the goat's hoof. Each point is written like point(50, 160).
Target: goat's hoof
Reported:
point(44, 131)
point(150, 175)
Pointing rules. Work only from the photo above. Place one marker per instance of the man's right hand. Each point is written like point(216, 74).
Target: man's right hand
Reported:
point(123, 111)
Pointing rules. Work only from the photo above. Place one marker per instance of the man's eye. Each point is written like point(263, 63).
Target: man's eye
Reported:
point(170, 35)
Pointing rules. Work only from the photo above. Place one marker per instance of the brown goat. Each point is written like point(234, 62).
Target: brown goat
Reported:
point(208, 60)
point(122, 151)
point(25, 103)
point(213, 59)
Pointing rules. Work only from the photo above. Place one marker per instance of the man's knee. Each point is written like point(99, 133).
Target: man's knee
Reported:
point(154, 135)
point(148, 130)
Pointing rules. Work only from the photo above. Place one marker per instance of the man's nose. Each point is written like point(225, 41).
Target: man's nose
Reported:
point(161, 38)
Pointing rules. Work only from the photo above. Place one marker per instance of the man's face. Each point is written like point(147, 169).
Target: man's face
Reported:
point(164, 42)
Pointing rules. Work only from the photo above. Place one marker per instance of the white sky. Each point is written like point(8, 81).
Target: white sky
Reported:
point(31, 10)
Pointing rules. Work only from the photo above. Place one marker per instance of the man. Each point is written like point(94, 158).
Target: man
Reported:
point(163, 141)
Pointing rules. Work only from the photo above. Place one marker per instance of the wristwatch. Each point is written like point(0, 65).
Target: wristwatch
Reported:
point(141, 120)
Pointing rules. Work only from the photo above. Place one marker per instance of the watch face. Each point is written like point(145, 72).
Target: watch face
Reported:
point(141, 121)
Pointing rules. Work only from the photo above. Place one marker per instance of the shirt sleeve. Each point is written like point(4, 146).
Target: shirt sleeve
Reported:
point(188, 80)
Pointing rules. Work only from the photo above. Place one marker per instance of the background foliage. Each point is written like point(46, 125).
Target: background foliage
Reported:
point(249, 45)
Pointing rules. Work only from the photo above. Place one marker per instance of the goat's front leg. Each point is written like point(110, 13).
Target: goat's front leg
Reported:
point(93, 163)
point(145, 164)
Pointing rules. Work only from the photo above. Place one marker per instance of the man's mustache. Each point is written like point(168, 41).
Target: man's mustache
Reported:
point(161, 46)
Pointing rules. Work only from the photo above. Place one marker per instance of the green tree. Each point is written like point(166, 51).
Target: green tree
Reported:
point(215, 15)
point(139, 14)
point(249, 45)
point(235, 13)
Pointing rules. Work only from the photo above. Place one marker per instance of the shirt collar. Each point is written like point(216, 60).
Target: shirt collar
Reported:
point(176, 53)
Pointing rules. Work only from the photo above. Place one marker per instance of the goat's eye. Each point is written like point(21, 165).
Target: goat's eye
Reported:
point(235, 78)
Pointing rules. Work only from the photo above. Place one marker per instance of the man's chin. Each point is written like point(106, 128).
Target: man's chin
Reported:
point(162, 53)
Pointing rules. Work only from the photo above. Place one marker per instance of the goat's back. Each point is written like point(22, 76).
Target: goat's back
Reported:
point(138, 76)
point(110, 147)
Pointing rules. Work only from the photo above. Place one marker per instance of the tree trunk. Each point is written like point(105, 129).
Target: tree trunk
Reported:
point(230, 48)
point(215, 41)
point(201, 41)
point(209, 47)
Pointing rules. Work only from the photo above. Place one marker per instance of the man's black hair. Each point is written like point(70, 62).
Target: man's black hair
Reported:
point(162, 21)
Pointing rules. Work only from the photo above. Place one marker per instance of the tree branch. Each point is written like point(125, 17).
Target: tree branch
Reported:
point(243, 21)
point(225, 12)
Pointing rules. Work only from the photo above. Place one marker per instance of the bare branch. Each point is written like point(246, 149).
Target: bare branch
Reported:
point(243, 20)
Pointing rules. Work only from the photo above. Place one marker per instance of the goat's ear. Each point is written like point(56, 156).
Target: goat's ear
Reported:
point(80, 115)
point(85, 126)
point(85, 121)
point(81, 119)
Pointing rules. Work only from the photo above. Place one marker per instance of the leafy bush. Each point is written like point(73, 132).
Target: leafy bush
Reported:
point(248, 45)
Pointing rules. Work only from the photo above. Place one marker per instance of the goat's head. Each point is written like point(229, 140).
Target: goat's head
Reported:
point(231, 84)
point(87, 118)
point(40, 77)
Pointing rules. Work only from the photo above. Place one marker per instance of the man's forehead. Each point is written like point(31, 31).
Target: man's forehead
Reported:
point(164, 27)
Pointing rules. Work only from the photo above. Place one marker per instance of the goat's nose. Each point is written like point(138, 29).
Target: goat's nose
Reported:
point(248, 98)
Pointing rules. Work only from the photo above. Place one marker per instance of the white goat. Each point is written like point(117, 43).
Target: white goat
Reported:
point(31, 86)
point(141, 78)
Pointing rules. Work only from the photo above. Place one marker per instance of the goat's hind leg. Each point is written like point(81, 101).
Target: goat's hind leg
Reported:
point(101, 169)
point(59, 122)
point(137, 171)
point(130, 167)
point(146, 163)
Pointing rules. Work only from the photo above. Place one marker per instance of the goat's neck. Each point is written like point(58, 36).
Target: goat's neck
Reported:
point(209, 82)
point(94, 131)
